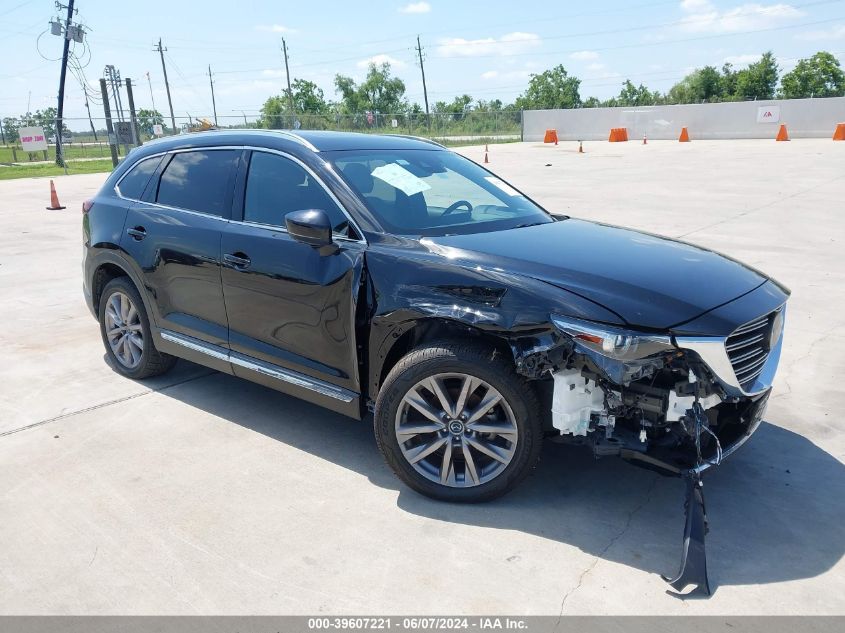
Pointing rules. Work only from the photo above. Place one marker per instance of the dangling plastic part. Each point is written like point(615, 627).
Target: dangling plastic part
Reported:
point(694, 558)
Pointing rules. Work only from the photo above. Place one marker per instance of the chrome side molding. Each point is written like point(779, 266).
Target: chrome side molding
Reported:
point(253, 364)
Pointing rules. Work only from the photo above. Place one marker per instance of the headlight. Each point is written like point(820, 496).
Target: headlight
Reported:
point(611, 342)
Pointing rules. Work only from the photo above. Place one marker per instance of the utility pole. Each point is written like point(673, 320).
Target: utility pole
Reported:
point(109, 127)
point(287, 74)
point(2, 136)
point(425, 90)
point(213, 102)
point(136, 135)
point(90, 120)
point(60, 160)
point(150, 83)
point(114, 80)
point(166, 84)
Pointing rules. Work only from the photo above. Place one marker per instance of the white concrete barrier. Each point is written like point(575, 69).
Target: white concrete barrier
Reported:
point(805, 118)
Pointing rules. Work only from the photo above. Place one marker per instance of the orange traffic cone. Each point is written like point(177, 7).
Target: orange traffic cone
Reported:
point(550, 136)
point(645, 139)
point(486, 148)
point(486, 160)
point(54, 199)
point(782, 134)
point(839, 134)
point(580, 147)
point(684, 138)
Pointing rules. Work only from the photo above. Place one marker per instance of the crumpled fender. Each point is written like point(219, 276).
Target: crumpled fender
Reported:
point(411, 284)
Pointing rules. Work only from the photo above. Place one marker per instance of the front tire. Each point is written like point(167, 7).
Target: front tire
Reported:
point(456, 423)
point(125, 329)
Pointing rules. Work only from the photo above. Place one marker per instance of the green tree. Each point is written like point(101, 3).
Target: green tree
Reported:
point(759, 80)
point(632, 95)
point(728, 81)
point(701, 85)
point(10, 129)
point(458, 107)
point(551, 89)
point(592, 102)
point(379, 92)
point(308, 99)
point(147, 119)
point(818, 76)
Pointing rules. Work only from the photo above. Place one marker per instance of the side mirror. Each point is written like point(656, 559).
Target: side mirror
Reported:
point(311, 226)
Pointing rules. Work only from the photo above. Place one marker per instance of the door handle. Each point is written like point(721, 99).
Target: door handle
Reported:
point(237, 260)
point(138, 233)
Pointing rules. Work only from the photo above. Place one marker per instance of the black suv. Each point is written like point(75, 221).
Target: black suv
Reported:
point(389, 275)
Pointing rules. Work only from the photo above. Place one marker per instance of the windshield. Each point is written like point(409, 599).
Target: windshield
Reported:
point(434, 193)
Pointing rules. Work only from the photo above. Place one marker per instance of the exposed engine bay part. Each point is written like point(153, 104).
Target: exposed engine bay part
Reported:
point(694, 557)
point(675, 421)
point(575, 400)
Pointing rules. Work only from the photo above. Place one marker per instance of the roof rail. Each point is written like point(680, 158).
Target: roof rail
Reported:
point(296, 137)
point(420, 138)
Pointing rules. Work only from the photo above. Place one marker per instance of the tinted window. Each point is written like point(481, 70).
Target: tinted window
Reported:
point(198, 181)
point(133, 183)
point(275, 186)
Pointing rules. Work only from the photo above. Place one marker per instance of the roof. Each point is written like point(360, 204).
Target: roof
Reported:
point(313, 140)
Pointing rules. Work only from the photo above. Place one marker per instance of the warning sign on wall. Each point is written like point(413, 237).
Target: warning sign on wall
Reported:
point(768, 114)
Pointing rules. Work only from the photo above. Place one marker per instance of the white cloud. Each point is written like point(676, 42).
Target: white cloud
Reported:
point(704, 17)
point(584, 55)
point(835, 33)
point(490, 74)
point(696, 6)
point(508, 44)
point(378, 60)
point(416, 7)
point(270, 72)
point(596, 67)
point(742, 60)
point(274, 28)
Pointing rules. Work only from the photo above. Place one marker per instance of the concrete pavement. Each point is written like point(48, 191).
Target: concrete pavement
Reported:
point(201, 493)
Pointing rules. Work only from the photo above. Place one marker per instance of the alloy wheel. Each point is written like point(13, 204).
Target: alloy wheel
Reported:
point(456, 430)
point(124, 331)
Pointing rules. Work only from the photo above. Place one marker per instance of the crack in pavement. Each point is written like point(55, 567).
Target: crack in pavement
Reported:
point(607, 547)
point(759, 208)
point(102, 405)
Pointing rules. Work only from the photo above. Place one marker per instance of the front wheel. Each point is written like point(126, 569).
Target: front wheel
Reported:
point(455, 422)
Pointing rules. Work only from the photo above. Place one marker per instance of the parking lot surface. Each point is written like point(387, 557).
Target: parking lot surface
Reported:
point(198, 492)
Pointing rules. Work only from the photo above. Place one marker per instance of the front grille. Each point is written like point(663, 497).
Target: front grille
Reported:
point(748, 349)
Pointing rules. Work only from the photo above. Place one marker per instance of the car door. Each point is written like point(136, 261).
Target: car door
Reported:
point(173, 237)
point(291, 307)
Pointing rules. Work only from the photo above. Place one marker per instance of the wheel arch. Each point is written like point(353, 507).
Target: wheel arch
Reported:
point(408, 335)
point(110, 266)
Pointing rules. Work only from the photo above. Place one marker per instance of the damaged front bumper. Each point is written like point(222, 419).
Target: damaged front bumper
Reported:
point(677, 405)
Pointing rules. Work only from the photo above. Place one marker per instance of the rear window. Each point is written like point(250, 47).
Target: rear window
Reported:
point(198, 181)
point(135, 181)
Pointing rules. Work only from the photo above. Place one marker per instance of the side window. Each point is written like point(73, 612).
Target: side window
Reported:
point(276, 186)
point(198, 181)
point(132, 185)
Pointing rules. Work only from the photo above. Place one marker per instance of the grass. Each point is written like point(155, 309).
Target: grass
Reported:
point(49, 169)
point(70, 151)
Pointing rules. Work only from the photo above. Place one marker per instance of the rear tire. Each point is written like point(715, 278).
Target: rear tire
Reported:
point(125, 329)
point(456, 423)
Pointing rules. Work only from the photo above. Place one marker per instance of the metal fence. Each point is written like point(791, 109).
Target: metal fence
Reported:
point(89, 140)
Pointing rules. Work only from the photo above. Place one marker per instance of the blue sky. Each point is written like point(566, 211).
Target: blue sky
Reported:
point(486, 48)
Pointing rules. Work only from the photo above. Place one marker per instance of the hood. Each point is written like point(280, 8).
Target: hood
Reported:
point(649, 281)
